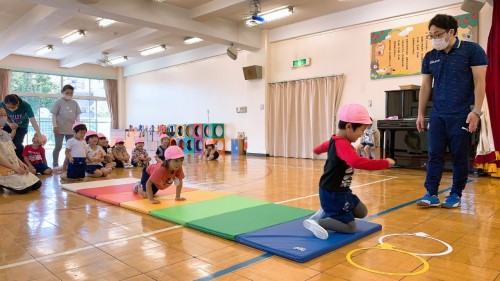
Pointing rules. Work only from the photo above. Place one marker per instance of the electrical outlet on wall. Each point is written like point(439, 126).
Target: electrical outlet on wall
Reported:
point(369, 103)
point(261, 106)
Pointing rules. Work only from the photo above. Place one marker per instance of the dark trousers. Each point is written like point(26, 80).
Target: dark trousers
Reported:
point(448, 132)
point(18, 141)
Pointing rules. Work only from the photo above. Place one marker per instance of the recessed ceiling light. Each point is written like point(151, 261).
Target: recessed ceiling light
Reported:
point(103, 23)
point(44, 50)
point(153, 50)
point(73, 36)
point(192, 40)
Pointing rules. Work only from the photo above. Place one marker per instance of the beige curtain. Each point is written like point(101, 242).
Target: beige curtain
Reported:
point(302, 114)
point(111, 89)
point(5, 75)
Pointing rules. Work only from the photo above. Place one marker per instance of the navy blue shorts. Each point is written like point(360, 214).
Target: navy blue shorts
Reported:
point(216, 155)
point(40, 168)
point(367, 143)
point(76, 170)
point(90, 169)
point(338, 205)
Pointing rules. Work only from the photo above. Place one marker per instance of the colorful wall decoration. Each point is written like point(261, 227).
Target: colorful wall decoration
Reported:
point(399, 51)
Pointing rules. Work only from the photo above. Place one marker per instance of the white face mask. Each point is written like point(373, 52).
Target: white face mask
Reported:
point(68, 98)
point(3, 121)
point(439, 43)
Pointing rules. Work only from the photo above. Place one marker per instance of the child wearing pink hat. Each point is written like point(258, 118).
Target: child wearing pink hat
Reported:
point(160, 151)
point(76, 155)
point(109, 160)
point(210, 152)
point(140, 157)
point(160, 176)
point(339, 206)
point(34, 156)
point(95, 157)
point(121, 155)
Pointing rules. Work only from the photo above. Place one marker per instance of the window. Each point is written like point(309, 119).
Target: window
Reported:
point(42, 90)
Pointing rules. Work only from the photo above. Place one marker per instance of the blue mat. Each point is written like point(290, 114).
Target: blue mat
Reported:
point(292, 241)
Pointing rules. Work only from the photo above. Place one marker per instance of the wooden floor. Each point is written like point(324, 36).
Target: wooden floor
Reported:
point(58, 235)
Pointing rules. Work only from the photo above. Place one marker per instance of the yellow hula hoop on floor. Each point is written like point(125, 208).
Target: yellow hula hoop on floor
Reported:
point(389, 247)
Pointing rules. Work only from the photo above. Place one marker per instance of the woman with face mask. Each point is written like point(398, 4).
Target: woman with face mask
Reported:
point(21, 114)
point(65, 112)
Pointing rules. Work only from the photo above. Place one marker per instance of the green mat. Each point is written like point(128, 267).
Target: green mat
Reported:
point(190, 212)
point(229, 225)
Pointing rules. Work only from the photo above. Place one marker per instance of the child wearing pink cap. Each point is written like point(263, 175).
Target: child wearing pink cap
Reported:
point(76, 154)
point(140, 157)
point(210, 152)
point(339, 206)
point(160, 176)
point(34, 156)
point(160, 151)
point(121, 155)
point(367, 141)
point(109, 160)
point(95, 157)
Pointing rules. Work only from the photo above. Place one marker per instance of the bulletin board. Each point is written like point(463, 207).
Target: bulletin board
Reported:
point(399, 51)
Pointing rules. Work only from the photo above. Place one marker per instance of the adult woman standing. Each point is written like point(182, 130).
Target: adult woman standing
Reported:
point(21, 114)
point(65, 112)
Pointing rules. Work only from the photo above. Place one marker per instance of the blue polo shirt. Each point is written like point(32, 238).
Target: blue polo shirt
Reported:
point(453, 82)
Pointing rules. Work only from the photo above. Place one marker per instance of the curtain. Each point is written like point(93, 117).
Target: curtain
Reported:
point(489, 159)
point(5, 75)
point(302, 114)
point(111, 89)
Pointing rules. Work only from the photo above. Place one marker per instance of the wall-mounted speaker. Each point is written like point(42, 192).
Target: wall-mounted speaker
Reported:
point(252, 72)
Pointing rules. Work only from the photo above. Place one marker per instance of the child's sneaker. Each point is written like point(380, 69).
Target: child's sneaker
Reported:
point(135, 189)
point(429, 201)
point(316, 229)
point(128, 165)
point(451, 201)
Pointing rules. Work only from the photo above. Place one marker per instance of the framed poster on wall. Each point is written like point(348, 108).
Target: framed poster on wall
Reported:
point(399, 51)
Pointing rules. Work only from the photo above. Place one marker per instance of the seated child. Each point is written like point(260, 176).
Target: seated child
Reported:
point(160, 151)
point(121, 155)
point(339, 205)
point(368, 140)
point(34, 156)
point(210, 152)
point(140, 156)
point(14, 174)
point(109, 160)
point(95, 157)
point(76, 155)
point(160, 176)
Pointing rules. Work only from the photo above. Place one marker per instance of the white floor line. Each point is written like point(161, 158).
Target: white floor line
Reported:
point(146, 234)
point(313, 195)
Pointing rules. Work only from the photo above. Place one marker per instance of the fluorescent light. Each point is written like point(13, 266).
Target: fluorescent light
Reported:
point(103, 23)
point(44, 50)
point(153, 50)
point(192, 40)
point(73, 36)
point(277, 14)
point(159, 1)
point(118, 60)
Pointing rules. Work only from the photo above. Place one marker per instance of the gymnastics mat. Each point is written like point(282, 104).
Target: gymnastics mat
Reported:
point(191, 212)
point(118, 198)
point(94, 192)
point(229, 225)
point(168, 201)
point(92, 184)
point(292, 241)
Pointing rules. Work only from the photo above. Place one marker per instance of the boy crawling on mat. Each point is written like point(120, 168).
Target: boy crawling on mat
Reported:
point(339, 206)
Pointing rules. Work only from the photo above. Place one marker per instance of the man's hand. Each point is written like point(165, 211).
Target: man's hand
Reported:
point(473, 121)
point(420, 123)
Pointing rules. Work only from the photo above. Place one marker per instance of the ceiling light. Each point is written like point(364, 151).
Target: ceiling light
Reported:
point(44, 50)
point(192, 40)
point(73, 36)
point(159, 1)
point(118, 60)
point(103, 23)
point(277, 14)
point(153, 50)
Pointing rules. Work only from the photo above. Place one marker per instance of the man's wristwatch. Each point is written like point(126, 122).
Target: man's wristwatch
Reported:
point(477, 112)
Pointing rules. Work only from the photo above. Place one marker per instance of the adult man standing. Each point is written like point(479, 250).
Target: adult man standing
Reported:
point(455, 71)
point(65, 112)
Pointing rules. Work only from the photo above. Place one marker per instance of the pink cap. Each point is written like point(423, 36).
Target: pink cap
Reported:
point(139, 140)
point(76, 124)
point(90, 133)
point(209, 142)
point(162, 136)
point(43, 139)
point(354, 113)
point(118, 140)
point(101, 135)
point(173, 152)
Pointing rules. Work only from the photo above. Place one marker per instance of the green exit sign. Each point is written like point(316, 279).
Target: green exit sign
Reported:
point(301, 62)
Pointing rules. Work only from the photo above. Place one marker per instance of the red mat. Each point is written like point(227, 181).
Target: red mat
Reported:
point(111, 189)
point(117, 198)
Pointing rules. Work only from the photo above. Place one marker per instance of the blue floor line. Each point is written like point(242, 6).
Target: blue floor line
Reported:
point(268, 255)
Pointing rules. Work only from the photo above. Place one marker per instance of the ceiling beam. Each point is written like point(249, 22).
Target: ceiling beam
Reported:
point(216, 8)
point(164, 17)
point(144, 34)
point(32, 25)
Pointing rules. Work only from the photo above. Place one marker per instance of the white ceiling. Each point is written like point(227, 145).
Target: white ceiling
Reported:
point(26, 25)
